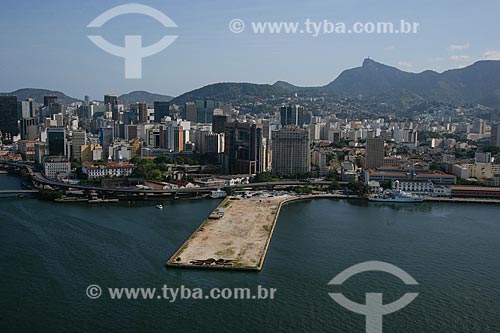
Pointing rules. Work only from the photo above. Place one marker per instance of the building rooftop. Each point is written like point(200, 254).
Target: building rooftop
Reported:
point(474, 188)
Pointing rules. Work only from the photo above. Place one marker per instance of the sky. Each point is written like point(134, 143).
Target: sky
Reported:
point(44, 44)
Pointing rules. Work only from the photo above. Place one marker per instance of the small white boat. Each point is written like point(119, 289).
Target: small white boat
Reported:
point(218, 194)
point(396, 196)
point(159, 206)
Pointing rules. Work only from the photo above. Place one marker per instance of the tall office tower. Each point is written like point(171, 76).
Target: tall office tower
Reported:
point(218, 122)
point(78, 140)
point(204, 110)
point(374, 153)
point(243, 148)
point(115, 111)
point(56, 108)
point(266, 134)
point(292, 115)
point(142, 109)
point(111, 103)
point(479, 126)
point(87, 100)
point(306, 117)
point(190, 112)
point(110, 99)
point(266, 129)
point(131, 132)
point(29, 129)
point(153, 137)
point(212, 143)
point(89, 111)
point(27, 108)
point(47, 100)
point(172, 137)
point(106, 136)
point(133, 117)
point(8, 116)
point(56, 139)
point(495, 135)
point(225, 107)
point(291, 151)
point(162, 110)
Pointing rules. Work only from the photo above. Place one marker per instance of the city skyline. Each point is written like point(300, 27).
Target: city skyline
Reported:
point(207, 52)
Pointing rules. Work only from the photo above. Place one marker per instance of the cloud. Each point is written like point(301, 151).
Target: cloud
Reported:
point(458, 47)
point(460, 58)
point(389, 48)
point(491, 55)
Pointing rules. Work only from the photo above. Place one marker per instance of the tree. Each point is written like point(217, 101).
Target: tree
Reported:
point(358, 188)
point(156, 174)
point(262, 177)
point(334, 185)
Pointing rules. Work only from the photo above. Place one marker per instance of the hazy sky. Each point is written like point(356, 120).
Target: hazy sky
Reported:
point(44, 44)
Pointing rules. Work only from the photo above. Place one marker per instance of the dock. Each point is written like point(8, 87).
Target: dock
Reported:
point(236, 235)
point(463, 200)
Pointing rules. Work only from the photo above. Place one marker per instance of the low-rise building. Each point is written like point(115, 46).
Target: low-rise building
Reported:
point(27, 149)
point(374, 187)
point(390, 173)
point(56, 167)
point(441, 191)
point(113, 169)
point(475, 192)
point(424, 187)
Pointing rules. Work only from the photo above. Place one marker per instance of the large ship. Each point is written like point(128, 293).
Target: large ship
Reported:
point(396, 196)
point(217, 194)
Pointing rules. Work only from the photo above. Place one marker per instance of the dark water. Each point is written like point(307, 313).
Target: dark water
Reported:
point(50, 253)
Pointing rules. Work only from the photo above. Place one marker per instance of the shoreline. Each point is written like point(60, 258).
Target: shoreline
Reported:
point(201, 253)
point(217, 243)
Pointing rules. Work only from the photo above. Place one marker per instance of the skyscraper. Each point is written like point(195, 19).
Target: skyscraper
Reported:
point(243, 148)
point(106, 136)
point(292, 115)
point(27, 108)
point(143, 113)
point(47, 100)
point(172, 137)
point(479, 126)
point(495, 135)
point(56, 108)
point(161, 110)
point(218, 122)
point(78, 140)
point(56, 139)
point(28, 129)
point(8, 116)
point(204, 110)
point(291, 151)
point(190, 112)
point(374, 153)
point(110, 99)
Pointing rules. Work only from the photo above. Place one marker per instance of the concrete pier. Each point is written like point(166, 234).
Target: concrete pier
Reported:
point(236, 235)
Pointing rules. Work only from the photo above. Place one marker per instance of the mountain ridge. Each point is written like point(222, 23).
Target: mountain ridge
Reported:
point(478, 83)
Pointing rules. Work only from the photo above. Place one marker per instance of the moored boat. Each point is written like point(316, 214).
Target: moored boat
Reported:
point(396, 196)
